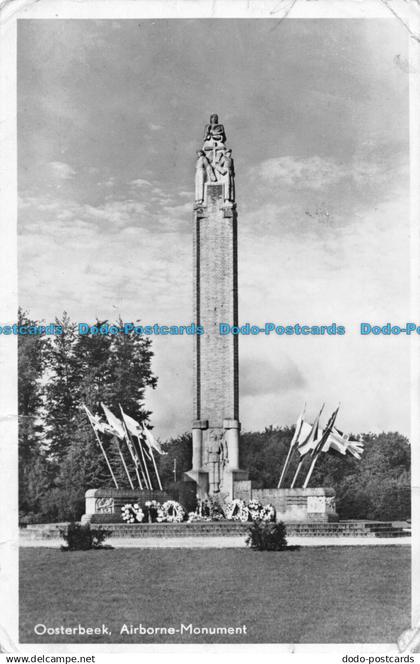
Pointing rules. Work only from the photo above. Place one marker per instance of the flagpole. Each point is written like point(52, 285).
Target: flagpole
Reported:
point(154, 464)
point(102, 448)
point(311, 467)
point(309, 437)
point(156, 470)
point(144, 462)
point(323, 440)
point(285, 466)
point(141, 465)
point(297, 473)
point(132, 450)
point(123, 461)
point(106, 458)
point(292, 447)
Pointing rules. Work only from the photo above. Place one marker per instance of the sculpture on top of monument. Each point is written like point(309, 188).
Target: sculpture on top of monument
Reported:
point(204, 172)
point(214, 130)
point(226, 169)
point(214, 163)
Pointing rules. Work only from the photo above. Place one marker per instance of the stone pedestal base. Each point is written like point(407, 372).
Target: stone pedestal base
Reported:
point(310, 505)
point(104, 505)
point(229, 474)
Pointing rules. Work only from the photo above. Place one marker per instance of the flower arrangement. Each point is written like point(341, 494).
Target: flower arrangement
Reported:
point(151, 508)
point(132, 512)
point(236, 510)
point(207, 510)
point(268, 513)
point(171, 511)
point(194, 516)
point(254, 508)
point(203, 508)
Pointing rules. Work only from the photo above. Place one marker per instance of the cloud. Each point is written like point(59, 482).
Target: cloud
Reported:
point(259, 376)
point(62, 170)
point(140, 183)
point(311, 173)
point(155, 127)
point(123, 257)
point(320, 173)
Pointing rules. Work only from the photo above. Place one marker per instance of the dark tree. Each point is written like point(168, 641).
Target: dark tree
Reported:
point(34, 470)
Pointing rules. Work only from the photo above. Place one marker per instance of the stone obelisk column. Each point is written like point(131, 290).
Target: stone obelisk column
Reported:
point(215, 462)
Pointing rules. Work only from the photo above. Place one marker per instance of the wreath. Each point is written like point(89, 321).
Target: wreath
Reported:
point(171, 511)
point(255, 508)
point(268, 513)
point(151, 508)
point(132, 512)
point(236, 510)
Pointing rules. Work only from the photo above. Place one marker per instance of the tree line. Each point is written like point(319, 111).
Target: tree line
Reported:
point(59, 458)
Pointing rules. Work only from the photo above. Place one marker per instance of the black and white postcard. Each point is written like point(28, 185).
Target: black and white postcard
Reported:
point(210, 328)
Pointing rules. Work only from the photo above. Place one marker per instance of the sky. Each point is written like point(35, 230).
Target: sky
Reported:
point(110, 114)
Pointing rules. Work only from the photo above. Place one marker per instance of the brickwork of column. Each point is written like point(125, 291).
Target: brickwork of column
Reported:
point(215, 302)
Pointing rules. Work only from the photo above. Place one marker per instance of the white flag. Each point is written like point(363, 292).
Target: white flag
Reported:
point(114, 423)
point(152, 442)
point(97, 423)
point(310, 435)
point(133, 427)
point(137, 429)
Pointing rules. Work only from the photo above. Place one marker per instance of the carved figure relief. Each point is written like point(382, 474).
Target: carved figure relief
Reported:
point(204, 172)
point(217, 457)
point(104, 505)
point(215, 162)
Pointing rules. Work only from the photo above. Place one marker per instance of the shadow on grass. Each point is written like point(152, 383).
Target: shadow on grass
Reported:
point(100, 547)
point(292, 547)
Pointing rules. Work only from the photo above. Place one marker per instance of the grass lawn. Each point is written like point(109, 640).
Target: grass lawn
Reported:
point(313, 595)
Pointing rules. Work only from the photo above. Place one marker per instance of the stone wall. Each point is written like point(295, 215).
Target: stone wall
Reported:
point(104, 505)
point(311, 505)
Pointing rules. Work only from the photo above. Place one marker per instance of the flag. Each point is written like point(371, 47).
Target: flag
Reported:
point(336, 441)
point(292, 447)
point(326, 433)
point(340, 443)
point(309, 435)
point(300, 422)
point(133, 427)
point(152, 442)
point(97, 423)
point(137, 429)
point(114, 423)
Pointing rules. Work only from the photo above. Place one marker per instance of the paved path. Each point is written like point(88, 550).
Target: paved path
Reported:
point(222, 542)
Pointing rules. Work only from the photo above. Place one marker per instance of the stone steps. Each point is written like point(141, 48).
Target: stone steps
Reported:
point(227, 528)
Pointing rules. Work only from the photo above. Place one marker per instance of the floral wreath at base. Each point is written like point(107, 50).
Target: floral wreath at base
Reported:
point(171, 511)
point(131, 513)
point(193, 516)
point(151, 508)
point(254, 508)
point(236, 510)
point(267, 513)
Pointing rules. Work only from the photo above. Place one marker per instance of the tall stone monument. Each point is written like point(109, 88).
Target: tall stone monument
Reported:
point(215, 431)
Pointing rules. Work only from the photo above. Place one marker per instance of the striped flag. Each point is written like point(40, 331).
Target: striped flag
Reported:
point(340, 443)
